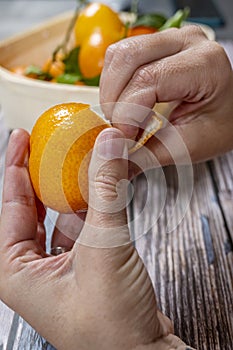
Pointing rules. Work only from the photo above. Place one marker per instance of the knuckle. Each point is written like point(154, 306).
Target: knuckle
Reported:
point(109, 180)
point(105, 186)
point(172, 31)
point(104, 181)
point(193, 34)
point(217, 50)
point(214, 55)
point(193, 30)
point(20, 200)
point(109, 54)
point(144, 76)
point(122, 53)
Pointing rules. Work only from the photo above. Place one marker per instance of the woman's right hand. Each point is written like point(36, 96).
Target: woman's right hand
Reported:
point(174, 65)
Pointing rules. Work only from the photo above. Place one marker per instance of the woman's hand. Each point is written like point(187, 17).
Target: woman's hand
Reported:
point(96, 296)
point(176, 65)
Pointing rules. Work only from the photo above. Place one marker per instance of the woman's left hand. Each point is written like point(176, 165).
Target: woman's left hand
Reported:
point(96, 296)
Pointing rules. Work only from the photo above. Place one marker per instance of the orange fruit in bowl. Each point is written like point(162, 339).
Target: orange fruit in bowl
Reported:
point(97, 15)
point(60, 149)
point(92, 52)
point(139, 30)
point(19, 70)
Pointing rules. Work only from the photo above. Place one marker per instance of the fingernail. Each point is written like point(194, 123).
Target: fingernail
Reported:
point(111, 144)
point(26, 157)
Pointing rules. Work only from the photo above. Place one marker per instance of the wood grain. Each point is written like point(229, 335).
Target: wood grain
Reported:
point(191, 267)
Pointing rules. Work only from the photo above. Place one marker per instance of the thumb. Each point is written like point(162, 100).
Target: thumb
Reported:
point(114, 284)
point(106, 221)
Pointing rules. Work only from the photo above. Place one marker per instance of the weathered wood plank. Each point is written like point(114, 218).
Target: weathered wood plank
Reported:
point(16, 334)
point(190, 268)
point(6, 318)
point(222, 169)
point(29, 339)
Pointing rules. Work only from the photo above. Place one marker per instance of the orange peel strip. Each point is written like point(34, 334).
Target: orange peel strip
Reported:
point(154, 124)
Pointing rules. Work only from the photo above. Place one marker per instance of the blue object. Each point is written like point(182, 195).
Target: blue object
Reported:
point(205, 12)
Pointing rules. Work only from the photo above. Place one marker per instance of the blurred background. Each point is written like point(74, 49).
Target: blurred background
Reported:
point(19, 15)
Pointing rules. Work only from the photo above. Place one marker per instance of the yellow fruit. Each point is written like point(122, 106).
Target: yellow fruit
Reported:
point(60, 149)
point(92, 52)
point(97, 15)
point(54, 68)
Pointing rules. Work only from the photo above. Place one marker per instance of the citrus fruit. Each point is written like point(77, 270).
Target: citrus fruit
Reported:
point(97, 15)
point(22, 71)
point(60, 149)
point(139, 30)
point(55, 68)
point(92, 52)
point(19, 70)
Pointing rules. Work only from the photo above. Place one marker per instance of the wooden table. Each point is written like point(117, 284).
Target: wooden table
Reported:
point(191, 267)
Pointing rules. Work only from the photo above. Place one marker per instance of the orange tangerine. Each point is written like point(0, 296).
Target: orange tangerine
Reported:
point(139, 30)
point(19, 70)
point(97, 15)
point(92, 52)
point(60, 149)
point(56, 67)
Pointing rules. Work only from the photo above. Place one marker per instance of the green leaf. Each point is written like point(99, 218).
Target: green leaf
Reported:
point(154, 20)
point(71, 61)
point(68, 78)
point(93, 81)
point(38, 72)
point(33, 70)
point(177, 19)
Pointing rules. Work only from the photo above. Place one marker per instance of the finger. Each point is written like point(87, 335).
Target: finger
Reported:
point(156, 81)
point(124, 58)
point(41, 232)
point(19, 213)
point(67, 230)
point(171, 145)
point(183, 143)
point(166, 324)
point(114, 272)
point(106, 222)
point(169, 79)
point(41, 235)
point(164, 148)
point(174, 77)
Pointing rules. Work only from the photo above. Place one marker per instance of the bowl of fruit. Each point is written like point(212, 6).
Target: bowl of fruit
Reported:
point(62, 59)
